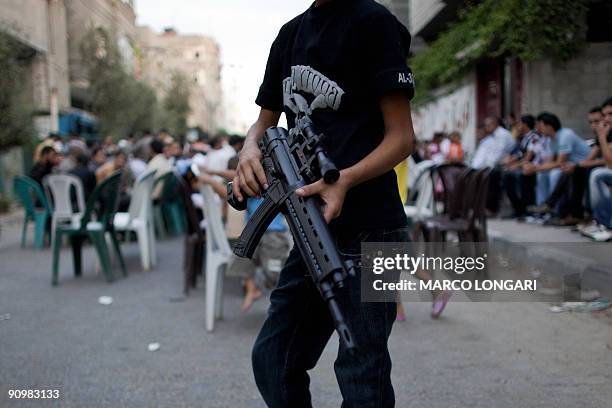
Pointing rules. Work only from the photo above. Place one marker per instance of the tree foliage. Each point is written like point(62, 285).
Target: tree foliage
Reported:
point(121, 103)
point(16, 109)
point(527, 29)
point(176, 105)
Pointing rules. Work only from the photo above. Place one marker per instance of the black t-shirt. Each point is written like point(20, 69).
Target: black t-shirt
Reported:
point(334, 62)
point(40, 170)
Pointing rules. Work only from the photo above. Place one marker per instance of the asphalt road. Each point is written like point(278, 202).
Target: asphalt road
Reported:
point(477, 355)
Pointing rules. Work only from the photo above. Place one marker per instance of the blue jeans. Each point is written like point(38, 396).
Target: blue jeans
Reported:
point(299, 326)
point(546, 181)
point(520, 190)
point(600, 187)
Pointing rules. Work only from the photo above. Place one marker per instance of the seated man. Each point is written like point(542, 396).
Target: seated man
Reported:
point(600, 182)
point(268, 259)
point(496, 145)
point(107, 169)
point(568, 147)
point(575, 178)
point(491, 151)
point(118, 162)
point(85, 174)
point(47, 160)
point(270, 255)
point(519, 187)
point(160, 162)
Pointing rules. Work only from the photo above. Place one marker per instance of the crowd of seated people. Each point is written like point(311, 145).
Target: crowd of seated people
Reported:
point(216, 158)
point(549, 173)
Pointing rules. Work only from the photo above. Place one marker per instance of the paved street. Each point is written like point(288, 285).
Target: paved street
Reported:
point(477, 355)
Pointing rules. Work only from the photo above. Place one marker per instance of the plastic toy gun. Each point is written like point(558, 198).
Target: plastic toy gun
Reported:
point(290, 161)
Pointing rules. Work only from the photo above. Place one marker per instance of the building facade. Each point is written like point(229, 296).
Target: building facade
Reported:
point(161, 55)
point(40, 25)
point(115, 16)
point(53, 30)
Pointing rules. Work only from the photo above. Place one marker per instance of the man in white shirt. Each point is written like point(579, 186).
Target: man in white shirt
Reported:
point(218, 157)
point(497, 145)
point(502, 136)
point(494, 147)
point(487, 154)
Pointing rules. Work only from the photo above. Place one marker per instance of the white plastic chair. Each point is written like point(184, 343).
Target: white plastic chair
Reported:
point(423, 207)
point(60, 186)
point(139, 218)
point(218, 256)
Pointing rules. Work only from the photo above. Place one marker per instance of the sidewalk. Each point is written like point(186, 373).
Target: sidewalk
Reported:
point(559, 250)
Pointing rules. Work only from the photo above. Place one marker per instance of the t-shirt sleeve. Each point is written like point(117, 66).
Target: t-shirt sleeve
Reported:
point(270, 94)
point(564, 143)
point(386, 44)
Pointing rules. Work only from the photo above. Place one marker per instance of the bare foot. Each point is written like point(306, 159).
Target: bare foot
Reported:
point(249, 299)
point(252, 295)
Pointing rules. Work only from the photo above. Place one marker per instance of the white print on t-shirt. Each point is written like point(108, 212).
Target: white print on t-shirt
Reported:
point(405, 78)
point(327, 93)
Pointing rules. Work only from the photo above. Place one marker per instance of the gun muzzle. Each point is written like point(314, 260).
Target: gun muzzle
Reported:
point(233, 201)
point(329, 171)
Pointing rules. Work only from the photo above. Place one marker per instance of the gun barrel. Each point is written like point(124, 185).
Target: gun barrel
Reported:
point(346, 338)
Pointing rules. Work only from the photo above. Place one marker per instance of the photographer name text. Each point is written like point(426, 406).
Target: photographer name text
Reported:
point(457, 285)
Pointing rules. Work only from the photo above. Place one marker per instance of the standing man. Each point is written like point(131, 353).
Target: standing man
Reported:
point(343, 62)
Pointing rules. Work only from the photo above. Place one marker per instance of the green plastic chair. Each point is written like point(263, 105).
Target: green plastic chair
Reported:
point(106, 194)
point(30, 193)
point(169, 208)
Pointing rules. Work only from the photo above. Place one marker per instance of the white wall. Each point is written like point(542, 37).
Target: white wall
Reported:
point(452, 111)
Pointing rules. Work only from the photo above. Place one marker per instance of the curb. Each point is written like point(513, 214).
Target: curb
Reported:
point(592, 273)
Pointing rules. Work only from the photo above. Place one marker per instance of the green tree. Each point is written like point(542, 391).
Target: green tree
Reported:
point(121, 103)
point(16, 109)
point(176, 105)
point(526, 29)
